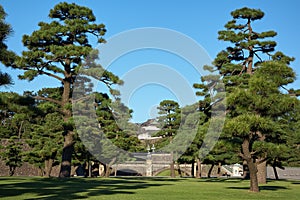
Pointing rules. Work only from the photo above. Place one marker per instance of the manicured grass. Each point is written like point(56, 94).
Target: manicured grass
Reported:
point(142, 188)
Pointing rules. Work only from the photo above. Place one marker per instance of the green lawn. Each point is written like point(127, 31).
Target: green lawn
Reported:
point(142, 188)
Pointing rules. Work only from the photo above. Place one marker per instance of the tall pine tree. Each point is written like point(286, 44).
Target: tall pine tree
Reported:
point(169, 118)
point(57, 50)
point(253, 78)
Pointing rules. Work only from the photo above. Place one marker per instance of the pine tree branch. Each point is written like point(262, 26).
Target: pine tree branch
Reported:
point(45, 73)
point(258, 56)
point(49, 99)
point(243, 156)
point(51, 75)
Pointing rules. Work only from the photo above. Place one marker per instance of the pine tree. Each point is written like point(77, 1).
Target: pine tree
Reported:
point(6, 57)
point(169, 119)
point(211, 107)
point(113, 118)
point(17, 113)
point(12, 154)
point(253, 78)
point(45, 140)
point(189, 117)
point(108, 135)
point(57, 50)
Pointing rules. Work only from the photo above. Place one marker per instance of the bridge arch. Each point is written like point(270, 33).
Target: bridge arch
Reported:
point(128, 172)
point(155, 173)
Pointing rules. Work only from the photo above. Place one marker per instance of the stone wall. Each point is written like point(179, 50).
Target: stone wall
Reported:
point(26, 169)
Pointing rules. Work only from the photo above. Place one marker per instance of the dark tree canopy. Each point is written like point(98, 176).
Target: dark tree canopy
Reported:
point(6, 57)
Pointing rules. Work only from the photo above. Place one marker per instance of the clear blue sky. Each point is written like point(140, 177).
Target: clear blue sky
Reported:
point(200, 20)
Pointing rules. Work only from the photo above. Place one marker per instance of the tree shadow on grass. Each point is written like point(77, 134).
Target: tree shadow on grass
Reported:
point(270, 188)
point(152, 178)
point(73, 188)
point(231, 180)
point(296, 183)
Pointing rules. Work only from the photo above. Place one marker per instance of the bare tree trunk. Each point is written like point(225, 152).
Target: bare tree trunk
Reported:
point(116, 170)
point(104, 171)
point(48, 167)
point(179, 170)
point(193, 169)
point(172, 169)
point(41, 172)
point(108, 167)
point(199, 171)
point(210, 170)
point(107, 170)
point(12, 170)
point(89, 169)
point(275, 172)
point(185, 170)
point(65, 169)
point(219, 169)
point(274, 164)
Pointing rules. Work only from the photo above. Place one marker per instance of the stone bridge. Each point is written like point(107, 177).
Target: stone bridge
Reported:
point(149, 164)
point(154, 163)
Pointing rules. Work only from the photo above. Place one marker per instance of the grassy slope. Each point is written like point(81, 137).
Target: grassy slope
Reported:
point(142, 189)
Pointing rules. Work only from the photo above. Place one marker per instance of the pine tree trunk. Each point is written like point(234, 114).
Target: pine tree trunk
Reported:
point(116, 170)
point(219, 169)
point(172, 169)
point(193, 169)
point(262, 171)
point(251, 52)
point(261, 163)
point(100, 169)
point(48, 167)
point(108, 167)
point(41, 172)
point(275, 172)
point(199, 172)
point(65, 169)
point(210, 170)
point(107, 171)
point(12, 170)
point(179, 170)
point(89, 169)
point(253, 177)
point(251, 165)
point(185, 170)
point(246, 174)
point(104, 171)
point(274, 168)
